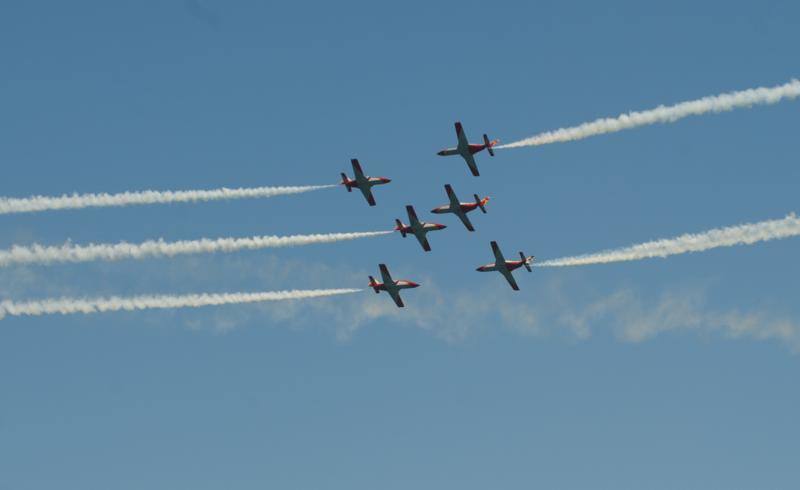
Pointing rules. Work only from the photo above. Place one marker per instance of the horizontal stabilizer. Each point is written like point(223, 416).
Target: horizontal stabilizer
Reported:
point(344, 182)
point(481, 202)
point(526, 261)
point(489, 144)
point(400, 227)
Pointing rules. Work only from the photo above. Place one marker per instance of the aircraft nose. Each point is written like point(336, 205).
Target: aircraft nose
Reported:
point(440, 153)
point(442, 227)
point(413, 284)
point(387, 180)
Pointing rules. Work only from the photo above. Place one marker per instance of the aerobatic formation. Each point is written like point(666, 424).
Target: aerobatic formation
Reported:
point(743, 234)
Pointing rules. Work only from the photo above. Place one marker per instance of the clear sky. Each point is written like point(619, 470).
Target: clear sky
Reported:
point(668, 373)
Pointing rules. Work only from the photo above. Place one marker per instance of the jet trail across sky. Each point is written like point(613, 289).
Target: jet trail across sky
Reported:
point(39, 254)
point(66, 306)
point(746, 234)
point(11, 205)
point(665, 114)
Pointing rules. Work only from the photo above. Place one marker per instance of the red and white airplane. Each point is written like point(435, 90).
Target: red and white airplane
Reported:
point(467, 149)
point(362, 182)
point(505, 267)
point(417, 228)
point(461, 209)
point(390, 286)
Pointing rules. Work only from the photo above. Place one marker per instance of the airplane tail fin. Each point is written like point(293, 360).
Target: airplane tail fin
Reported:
point(489, 144)
point(344, 183)
point(481, 202)
point(373, 284)
point(399, 227)
point(526, 261)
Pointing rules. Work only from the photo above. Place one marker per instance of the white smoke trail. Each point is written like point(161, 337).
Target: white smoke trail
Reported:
point(67, 306)
point(39, 254)
point(10, 205)
point(665, 114)
point(745, 234)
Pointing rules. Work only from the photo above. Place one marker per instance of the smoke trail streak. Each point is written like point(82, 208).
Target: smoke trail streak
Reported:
point(39, 254)
point(665, 114)
point(66, 306)
point(745, 234)
point(10, 205)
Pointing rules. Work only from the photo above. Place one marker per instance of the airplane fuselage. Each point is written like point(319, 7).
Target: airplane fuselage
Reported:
point(470, 149)
point(448, 152)
point(401, 284)
point(368, 182)
point(397, 286)
point(510, 265)
point(465, 207)
point(422, 228)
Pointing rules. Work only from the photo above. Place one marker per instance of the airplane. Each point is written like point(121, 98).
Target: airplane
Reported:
point(505, 267)
point(390, 286)
point(461, 209)
point(362, 182)
point(417, 228)
point(467, 149)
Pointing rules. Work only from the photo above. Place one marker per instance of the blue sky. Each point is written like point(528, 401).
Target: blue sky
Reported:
point(675, 373)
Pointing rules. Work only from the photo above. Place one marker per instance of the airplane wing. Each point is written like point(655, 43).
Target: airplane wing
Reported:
point(454, 204)
point(363, 182)
point(500, 261)
point(367, 191)
point(465, 219)
point(387, 278)
point(395, 294)
point(359, 174)
point(423, 240)
point(470, 159)
point(390, 287)
point(462, 138)
point(412, 216)
point(510, 278)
